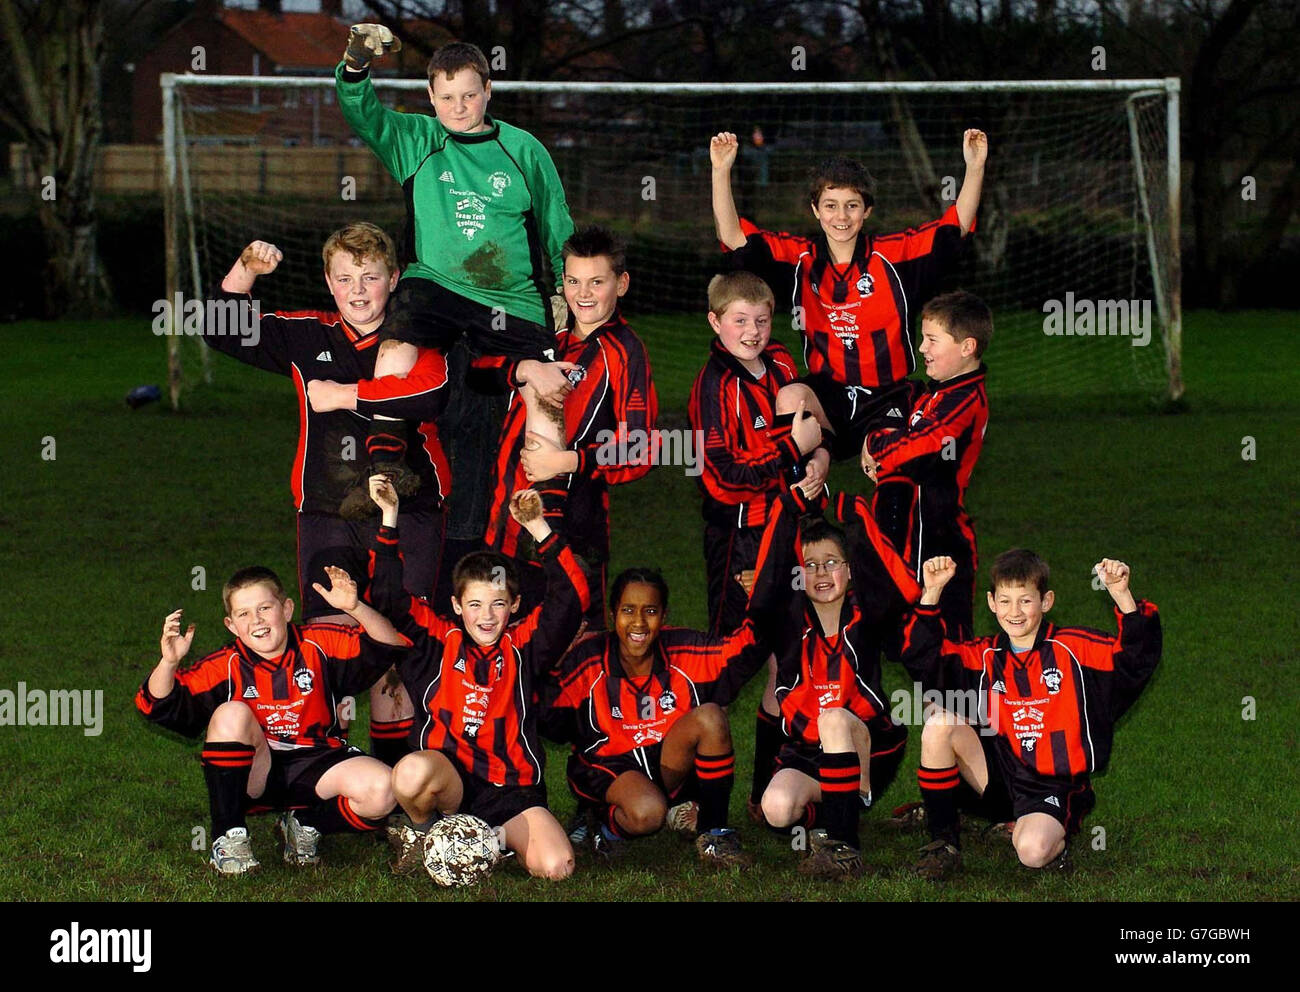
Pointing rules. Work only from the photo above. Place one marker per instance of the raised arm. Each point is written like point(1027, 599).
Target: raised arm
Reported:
point(722, 155)
point(550, 628)
point(1140, 642)
point(928, 657)
point(975, 150)
point(181, 702)
point(240, 330)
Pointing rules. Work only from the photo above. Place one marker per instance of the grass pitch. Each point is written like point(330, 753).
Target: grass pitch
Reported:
point(101, 540)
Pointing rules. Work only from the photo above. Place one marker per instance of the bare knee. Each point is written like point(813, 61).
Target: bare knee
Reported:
point(1036, 850)
point(232, 721)
point(779, 808)
point(835, 727)
point(374, 794)
point(789, 397)
point(938, 729)
point(554, 866)
point(643, 815)
point(411, 777)
point(712, 721)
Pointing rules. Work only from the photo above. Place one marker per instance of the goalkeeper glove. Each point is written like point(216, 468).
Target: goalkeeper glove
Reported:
point(369, 41)
point(559, 311)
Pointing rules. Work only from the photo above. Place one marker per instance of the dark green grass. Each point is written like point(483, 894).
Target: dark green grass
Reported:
point(100, 543)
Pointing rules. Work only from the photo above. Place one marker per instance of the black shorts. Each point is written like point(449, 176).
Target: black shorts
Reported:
point(327, 539)
point(1014, 791)
point(291, 782)
point(728, 550)
point(591, 777)
point(423, 313)
point(856, 411)
point(496, 804)
point(888, 744)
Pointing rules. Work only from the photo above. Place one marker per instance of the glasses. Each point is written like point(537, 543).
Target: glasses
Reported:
point(828, 566)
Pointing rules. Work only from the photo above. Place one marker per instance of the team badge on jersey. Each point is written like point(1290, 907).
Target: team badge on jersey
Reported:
point(1052, 679)
point(866, 285)
point(500, 183)
point(304, 679)
point(668, 702)
point(575, 376)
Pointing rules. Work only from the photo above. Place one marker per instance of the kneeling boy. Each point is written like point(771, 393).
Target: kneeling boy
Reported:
point(1049, 696)
point(268, 703)
point(476, 678)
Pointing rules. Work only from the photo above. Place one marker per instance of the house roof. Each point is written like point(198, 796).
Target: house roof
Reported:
point(292, 40)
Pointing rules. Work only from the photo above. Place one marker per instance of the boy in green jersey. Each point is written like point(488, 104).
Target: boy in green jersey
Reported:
point(485, 210)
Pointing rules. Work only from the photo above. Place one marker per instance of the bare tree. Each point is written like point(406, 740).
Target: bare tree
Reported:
point(54, 52)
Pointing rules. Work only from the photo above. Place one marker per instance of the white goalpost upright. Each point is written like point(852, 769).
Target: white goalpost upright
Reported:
point(1081, 195)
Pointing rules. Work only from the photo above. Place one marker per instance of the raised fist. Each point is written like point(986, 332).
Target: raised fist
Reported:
point(722, 150)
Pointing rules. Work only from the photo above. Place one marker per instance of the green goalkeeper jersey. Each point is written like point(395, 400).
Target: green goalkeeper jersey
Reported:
point(483, 210)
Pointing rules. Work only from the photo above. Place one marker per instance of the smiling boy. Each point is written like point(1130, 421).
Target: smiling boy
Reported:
point(267, 704)
point(1050, 695)
point(477, 677)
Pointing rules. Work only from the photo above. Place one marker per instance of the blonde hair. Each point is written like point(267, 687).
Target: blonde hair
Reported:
point(726, 289)
point(361, 240)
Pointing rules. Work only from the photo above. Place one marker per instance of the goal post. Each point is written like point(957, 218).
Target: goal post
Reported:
point(1076, 248)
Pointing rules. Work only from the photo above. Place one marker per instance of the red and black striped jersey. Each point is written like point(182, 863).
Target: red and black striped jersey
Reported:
point(857, 320)
point(747, 457)
point(314, 344)
point(609, 421)
point(936, 454)
point(1054, 705)
point(477, 705)
point(602, 710)
point(295, 697)
point(816, 670)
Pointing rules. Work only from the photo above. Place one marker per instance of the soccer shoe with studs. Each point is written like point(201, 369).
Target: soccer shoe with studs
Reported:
point(909, 818)
point(939, 860)
point(721, 847)
point(300, 842)
point(606, 847)
point(684, 819)
point(1062, 864)
point(357, 504)
point(829, 858)
point(410, 851)
point(232, 854)
point(579, 829)
point(997, 833)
